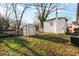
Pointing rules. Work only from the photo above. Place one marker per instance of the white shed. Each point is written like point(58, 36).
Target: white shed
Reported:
point(56, 26)
point(29, 30)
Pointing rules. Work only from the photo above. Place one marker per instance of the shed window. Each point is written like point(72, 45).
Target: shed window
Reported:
point(51, 23)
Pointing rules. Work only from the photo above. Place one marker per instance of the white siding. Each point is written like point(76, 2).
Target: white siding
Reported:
point(48, 27)
point(61, 26)
point(29, 30)
point(58, 26)
point(24, 31)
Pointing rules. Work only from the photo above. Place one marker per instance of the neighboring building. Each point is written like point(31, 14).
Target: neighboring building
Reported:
point(75, 24)
point(29, 30)
point(72, 27)
point(54, 25)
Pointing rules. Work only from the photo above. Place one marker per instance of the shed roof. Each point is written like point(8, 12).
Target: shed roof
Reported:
point(57, 18)
point(28, 25)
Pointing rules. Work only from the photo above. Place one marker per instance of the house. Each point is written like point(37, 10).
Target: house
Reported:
point(54, 25)
point(72, 27)
point(29, 30)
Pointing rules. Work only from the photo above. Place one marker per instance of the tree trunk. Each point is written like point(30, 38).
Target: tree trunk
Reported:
point(17, 30)
point(41, 26)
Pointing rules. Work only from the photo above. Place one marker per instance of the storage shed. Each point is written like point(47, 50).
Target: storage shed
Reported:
point(56, 26)
point(29, 30)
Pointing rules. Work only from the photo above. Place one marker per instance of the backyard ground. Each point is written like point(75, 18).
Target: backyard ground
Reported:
point(42, 44)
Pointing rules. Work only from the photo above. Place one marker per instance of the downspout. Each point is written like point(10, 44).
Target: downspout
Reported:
point(56, 19)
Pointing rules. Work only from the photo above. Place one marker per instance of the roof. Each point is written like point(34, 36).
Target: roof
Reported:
point(28, 25)
point(75, 22)
point(57, 18)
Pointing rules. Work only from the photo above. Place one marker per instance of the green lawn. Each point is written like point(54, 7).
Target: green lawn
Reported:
point(42, 44)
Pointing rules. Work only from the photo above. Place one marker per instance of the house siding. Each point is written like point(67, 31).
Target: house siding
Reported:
point(58, 26)
point(48, 27)
point(61, 26)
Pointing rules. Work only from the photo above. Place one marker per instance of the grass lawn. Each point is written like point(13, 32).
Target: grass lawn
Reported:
point(42, 44)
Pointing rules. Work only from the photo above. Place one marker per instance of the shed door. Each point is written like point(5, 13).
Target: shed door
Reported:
point(30, 30)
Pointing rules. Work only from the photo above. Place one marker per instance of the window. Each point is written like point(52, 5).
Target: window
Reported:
point(51, 23)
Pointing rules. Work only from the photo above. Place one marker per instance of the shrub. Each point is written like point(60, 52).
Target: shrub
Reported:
point(69, 33)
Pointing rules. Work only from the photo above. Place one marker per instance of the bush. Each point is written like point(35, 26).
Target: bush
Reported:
point(69, 33)
point(76, 31)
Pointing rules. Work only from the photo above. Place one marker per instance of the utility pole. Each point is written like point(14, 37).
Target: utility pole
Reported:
point(77, 19)
point(56, 11)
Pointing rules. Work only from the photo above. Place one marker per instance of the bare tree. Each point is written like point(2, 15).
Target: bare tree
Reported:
point(7, 14)
point(21, 14)
point(2, 21)
point(43, 11)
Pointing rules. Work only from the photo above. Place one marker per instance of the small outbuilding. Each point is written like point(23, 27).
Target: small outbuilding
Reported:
point(57, 26)
point(29, 30)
